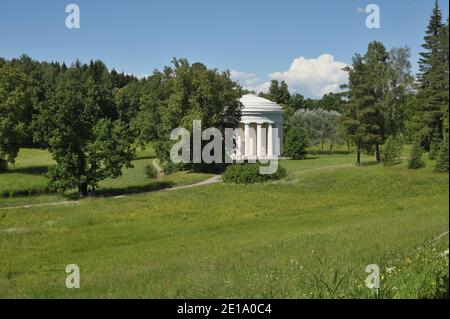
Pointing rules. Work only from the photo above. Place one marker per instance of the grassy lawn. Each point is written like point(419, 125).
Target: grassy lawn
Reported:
point(310, 235)
point(26, 175)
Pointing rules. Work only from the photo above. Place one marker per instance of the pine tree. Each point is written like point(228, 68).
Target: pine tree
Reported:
point(434, 146)
point(415, 159)
point(278, 92)
point(364, 120)
point(433, 80)
point(442, 159)
point(431, 43)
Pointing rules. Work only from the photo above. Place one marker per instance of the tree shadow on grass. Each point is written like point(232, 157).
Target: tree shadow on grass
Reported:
point(30, 170)
point(144, 157)
point(310, 157)
point(155, 186)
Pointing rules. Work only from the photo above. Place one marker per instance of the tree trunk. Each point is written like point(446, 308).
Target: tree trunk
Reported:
point(322, 144)
point(377, 148)
point(358, 155)
point(83, 189)
point(331, 147)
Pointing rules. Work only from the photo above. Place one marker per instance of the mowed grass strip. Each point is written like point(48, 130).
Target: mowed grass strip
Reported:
point(265, 240)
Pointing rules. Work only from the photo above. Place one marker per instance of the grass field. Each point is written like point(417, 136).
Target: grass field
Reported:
point(310, 235)
point(26, 178)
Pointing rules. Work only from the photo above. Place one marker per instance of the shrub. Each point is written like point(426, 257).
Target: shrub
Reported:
point(249, 174)
point(442, 159)
point(151, 171)
point(415, 160)
point(392, 151)
point(295, 143)
point(169, 167)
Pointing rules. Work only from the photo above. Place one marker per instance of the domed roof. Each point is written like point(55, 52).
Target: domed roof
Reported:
point(253, 103)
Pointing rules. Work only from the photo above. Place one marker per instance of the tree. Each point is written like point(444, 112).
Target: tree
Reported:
point(397, 91)
point(194, 92)
point(392, 151)
point(278, 92)
point(151, 100)
point(378, 69)
point(319, 125)
point(15, 101)
point(330, 102)
point(435, 145)
point(376, 96)
point(297, 101)
point(442, 164)
point(77, 122)
point(415, 159)
point(433, 81)
point(295, 143)
point(362, 114)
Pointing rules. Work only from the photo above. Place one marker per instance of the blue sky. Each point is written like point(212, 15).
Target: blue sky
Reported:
point(258, 40)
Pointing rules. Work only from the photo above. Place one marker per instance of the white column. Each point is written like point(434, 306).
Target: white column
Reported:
point(258, 140)
point(281, 133)
point(276, 137)
point(247, 139)
point(269, 140)
point(238, 150)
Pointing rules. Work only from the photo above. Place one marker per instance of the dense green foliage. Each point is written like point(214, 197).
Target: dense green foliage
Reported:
point(90, 118)
point(378, 82)
point(392, 151)
point(249, 173)
point(193, 92)
point(415, 159)
point(435, 145)
point(319, 125)
point(14, 105)
point(78, 124)
point(296, 143)
point(442, 158)
point(431, 118)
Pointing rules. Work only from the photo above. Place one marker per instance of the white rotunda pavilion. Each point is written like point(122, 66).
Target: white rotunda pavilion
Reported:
point(261, 134)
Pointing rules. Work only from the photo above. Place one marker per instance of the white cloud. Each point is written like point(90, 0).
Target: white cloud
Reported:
point(241, 75)
point(250, 81)
point(310, 77)
point(314, 76)
point(263, 87)
point(245, 79)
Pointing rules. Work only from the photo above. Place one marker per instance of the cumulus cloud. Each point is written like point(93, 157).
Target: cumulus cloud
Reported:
point(314, 76)
point(310, 77)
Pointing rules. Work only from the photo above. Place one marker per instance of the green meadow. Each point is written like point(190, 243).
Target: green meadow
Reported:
point(27, 177)
point(310, 235)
